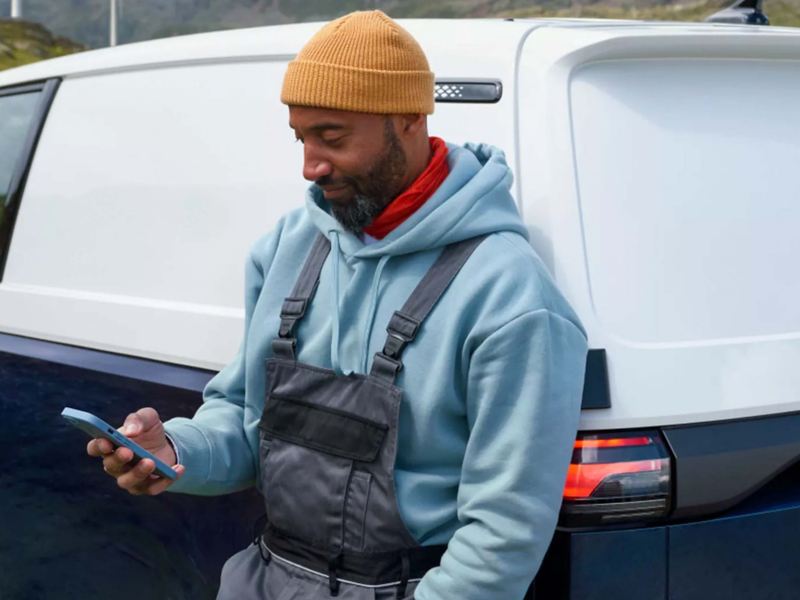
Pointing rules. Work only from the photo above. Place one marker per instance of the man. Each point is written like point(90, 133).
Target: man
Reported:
point(425, 463)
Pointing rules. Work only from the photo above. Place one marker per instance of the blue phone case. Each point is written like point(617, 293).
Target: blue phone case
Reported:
point(97, 428)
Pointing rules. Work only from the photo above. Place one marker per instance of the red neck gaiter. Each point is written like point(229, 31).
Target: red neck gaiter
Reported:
point(415, 195)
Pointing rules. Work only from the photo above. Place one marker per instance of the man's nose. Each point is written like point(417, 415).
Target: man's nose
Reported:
point(314, 166)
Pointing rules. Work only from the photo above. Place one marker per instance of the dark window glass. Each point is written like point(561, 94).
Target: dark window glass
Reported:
point(16, 117)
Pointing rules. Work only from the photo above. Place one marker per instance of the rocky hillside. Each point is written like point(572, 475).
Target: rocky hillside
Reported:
point(87, 20)
point(24, 42)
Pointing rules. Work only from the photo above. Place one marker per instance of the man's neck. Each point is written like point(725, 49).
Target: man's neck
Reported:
point(420, 158)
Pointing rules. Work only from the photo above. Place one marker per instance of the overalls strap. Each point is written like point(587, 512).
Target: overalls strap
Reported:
point(295, 305)
point(405, 323)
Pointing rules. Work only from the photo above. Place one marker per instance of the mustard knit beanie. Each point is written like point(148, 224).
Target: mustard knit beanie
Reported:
point(362, 62)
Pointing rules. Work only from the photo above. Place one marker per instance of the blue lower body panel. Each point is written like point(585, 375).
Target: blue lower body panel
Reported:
point(619, 564)
point(749, 554)
point(66, 530)
point(754, 556)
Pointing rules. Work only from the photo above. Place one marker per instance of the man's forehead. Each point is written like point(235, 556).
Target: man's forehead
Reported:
point(319, 119)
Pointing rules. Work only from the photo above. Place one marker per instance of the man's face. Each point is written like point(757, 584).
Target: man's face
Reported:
point(356, 158)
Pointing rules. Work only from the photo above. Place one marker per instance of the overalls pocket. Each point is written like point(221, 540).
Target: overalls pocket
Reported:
point(355, 510)
point(307, 473)
point(263, 452)
point(326, 429)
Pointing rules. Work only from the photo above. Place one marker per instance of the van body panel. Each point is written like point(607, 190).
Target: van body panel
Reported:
point(744, 555)
point(122, 276)
point(719, 464)
point(68, 531)
point(741, 557)
point(596, 101)
point(165, 374)
point(619, 564)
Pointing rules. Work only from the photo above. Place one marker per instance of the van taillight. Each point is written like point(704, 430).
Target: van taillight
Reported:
point(616, 477)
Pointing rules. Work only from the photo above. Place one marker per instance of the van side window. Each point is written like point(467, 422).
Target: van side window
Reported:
point(16, 117)
point(23, 110)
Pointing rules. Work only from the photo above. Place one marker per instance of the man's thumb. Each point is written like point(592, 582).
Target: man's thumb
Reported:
point(142, 420)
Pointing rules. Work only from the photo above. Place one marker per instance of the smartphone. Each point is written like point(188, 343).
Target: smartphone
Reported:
point(95, 427)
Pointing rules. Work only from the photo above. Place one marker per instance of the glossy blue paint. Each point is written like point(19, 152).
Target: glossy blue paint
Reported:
point(742, 556)
point(751, 552)
point(625, 564)
point(152, 371)
point(67, 530)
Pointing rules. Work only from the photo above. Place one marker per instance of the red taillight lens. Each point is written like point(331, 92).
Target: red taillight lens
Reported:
point(617, 477)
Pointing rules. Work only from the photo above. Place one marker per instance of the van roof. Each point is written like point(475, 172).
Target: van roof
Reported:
point(286, 40)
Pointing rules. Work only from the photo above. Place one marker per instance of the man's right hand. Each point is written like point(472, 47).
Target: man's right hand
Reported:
point(146, 429)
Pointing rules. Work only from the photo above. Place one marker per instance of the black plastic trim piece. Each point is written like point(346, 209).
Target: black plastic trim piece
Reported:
point(596, 392)
point(470, 91)
point(21, 89)
point(20, 177)
point(717, 465)
point(141, 369)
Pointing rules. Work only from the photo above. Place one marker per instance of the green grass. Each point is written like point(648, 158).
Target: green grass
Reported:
point(23, 42)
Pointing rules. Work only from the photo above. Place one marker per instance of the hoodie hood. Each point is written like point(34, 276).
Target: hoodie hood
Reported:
point(473, 200)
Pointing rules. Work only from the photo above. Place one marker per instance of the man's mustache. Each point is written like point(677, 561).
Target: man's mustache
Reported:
point(328, 181)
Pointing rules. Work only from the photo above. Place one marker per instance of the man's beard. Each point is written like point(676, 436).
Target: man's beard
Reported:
point(376, 189)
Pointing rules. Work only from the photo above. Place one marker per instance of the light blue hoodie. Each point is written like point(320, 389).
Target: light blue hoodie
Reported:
point(491, 385)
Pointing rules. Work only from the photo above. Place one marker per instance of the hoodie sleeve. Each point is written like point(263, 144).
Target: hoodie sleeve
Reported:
point(523, 402)
point(213, 445)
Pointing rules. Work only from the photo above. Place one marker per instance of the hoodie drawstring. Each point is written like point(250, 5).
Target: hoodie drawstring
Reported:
point(370, 316)
point(334, 237)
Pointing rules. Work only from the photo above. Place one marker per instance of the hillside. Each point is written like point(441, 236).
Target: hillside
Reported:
point(24, 42)
point(87, 20)
point(780, 12)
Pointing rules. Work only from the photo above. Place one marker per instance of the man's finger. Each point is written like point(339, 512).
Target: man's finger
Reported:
point(123, 454)
point(154, 487)
point(116, 463)
point(142, 420)
point(99, 447)
point(134, 478)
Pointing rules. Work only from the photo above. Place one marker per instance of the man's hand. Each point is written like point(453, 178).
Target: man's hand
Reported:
point(146, 429)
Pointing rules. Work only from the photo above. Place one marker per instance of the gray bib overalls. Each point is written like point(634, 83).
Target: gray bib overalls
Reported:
point(327, 453)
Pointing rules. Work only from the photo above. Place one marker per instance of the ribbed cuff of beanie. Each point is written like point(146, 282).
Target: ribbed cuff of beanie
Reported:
point(337, 87)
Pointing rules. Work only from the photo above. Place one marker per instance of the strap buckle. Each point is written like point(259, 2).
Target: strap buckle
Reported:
point(403, 326)
point(284, 347)
point(386, 366)
point(402, 329)
point(292, 310)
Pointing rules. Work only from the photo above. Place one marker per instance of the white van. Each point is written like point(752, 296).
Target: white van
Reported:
point(656, 166)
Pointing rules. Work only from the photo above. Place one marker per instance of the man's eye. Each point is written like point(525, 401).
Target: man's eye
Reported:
point(332, 141)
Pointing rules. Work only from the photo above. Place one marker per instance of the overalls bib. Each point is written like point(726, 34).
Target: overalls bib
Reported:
point(327, 452)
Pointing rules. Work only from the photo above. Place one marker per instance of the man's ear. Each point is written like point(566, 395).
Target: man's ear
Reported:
point(411, 124)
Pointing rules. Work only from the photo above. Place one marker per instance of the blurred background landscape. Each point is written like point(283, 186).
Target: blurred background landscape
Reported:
point(55, 27)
